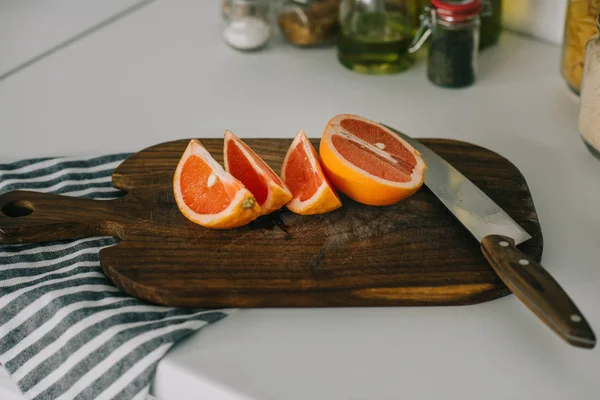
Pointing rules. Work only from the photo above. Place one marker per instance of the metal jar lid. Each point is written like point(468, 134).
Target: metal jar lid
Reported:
point(456, 11)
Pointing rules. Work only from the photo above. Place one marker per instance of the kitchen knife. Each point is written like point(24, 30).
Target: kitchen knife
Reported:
point(499, 236)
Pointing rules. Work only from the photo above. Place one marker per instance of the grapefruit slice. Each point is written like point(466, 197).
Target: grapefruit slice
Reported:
point(208, 195)
point(302, 173)
point(368, 162)
point(244, 164)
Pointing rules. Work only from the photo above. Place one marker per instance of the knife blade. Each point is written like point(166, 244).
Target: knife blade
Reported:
point(499, 235)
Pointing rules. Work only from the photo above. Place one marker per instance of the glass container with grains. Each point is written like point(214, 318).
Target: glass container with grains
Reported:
point(453, 31)
point(309, 23)
point(580, 26)
point(589, 104)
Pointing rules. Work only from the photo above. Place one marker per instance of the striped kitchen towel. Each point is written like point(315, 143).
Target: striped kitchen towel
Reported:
point(66, 332)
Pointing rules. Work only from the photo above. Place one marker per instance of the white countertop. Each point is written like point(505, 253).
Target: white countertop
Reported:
point(31, 28)
point(164, 73)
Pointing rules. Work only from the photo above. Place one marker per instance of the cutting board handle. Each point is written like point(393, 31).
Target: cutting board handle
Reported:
point(30, 217)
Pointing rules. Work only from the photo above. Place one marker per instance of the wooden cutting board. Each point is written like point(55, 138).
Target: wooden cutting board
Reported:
point(410, 254)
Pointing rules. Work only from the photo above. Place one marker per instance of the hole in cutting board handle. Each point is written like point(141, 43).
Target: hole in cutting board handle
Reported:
point(19, 208)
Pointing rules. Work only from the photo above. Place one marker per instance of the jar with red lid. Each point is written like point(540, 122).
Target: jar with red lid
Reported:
point(452, 27)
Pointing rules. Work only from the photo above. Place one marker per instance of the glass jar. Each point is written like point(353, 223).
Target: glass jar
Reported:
point(421, 6)
point(491, 23)
point(589, 104)
point(580, 26)
point(248, 24)
point(453, 32)
point(225, 7)
point(375, 35)
point(308, 23)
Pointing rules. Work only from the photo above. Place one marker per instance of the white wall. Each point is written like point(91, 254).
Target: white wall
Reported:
point(543, 19)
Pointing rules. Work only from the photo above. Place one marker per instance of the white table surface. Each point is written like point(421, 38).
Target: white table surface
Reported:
point(164, 73)
point(29, 28)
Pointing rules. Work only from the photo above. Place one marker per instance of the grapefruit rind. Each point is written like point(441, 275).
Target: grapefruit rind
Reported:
point(359, 184)
point(242, 208)
point(278, 193)
point(325, 199)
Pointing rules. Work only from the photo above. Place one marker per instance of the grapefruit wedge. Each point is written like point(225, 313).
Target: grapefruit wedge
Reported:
point(244, 164)
point(368, 162)
point(302, 173)
point(208, 195)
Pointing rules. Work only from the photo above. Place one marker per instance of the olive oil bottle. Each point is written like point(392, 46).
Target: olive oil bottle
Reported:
point(375, 35)
point(491, 24)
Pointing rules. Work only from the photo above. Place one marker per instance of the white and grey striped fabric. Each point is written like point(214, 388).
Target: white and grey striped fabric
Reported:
point(66, 332)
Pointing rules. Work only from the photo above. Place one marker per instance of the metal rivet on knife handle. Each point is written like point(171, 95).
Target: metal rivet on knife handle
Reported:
point(538, 290)
point(499, 235)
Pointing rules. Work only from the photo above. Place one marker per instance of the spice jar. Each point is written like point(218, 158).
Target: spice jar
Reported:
point(309, 22)
point(589, 104)
point(580, 26)
point(453, 31)
point(248, 24)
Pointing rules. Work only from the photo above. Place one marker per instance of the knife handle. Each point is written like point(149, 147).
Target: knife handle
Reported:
point(536, 288)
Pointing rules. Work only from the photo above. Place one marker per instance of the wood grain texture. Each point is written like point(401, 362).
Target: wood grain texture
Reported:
point(538, 290)
point(413, 253)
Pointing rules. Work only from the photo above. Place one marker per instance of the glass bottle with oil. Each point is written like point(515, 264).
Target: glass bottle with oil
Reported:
point(491, 23)
point(375, 35)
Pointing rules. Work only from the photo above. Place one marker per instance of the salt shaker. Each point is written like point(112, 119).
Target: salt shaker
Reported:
point(453, 29)
point(248, 24)
point(589, 103)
